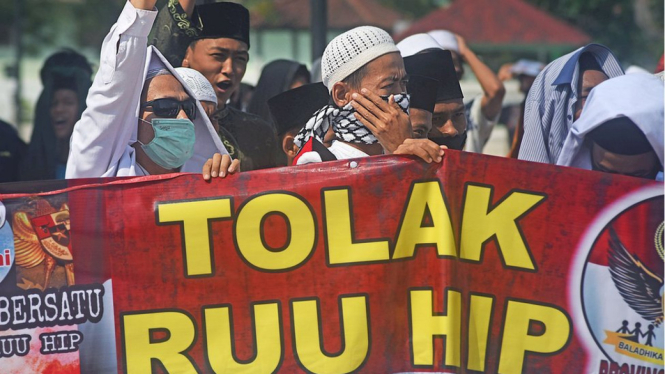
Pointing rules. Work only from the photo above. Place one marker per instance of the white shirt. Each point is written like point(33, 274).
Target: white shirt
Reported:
point(479, 128)
point(341, 150)
point(100, 145)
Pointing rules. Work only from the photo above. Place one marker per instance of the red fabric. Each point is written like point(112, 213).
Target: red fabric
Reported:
point(498, 22)
point(115, 232)
point(660, 67)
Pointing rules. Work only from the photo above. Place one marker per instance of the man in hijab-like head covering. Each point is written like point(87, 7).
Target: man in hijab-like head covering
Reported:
point(557, 97)
point(140, 121)
point(620, 129)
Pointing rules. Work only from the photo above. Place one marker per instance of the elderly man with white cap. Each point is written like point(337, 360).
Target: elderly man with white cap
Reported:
point(364, 73)
point(140, 119)
point(483, 110)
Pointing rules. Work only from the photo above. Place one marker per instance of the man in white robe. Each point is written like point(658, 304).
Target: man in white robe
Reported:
point(110, 137)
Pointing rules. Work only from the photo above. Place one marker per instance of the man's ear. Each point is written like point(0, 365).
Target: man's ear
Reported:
point(289, 146)
point(341, 94)
point(185, 61)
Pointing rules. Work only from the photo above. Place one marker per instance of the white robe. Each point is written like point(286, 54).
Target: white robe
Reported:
point(101, 143)
point(636, 96)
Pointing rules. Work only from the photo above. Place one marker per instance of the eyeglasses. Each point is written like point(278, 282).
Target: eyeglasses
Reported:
point(169, 108)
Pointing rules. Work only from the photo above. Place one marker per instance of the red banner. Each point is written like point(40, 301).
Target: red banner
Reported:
point(379, 265)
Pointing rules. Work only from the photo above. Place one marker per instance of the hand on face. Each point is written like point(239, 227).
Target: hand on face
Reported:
point(219, 166)
point(385, 120)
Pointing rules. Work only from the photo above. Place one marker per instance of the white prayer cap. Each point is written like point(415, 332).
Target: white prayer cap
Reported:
point(634, 69)
point(417, 43)
point(446, 39)
point(527, 67)
point(198, 84)
point(352, 50)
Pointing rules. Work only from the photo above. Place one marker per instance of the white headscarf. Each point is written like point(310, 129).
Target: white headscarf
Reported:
point(417, 43)
point(207, 141)
point(445, 39)
point(636, 96)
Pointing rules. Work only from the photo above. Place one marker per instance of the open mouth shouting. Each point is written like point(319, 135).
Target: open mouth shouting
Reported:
point(223, 86)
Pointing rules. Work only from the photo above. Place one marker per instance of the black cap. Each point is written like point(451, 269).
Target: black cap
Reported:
point(223, 20)
point(621, 136)
point(293, 108)
point(423, 92)
point(436, 64)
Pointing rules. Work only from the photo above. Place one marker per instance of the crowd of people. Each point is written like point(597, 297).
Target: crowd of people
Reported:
point(174, 102)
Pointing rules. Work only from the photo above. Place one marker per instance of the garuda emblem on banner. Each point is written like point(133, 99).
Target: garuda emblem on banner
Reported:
point(624, 271)
point(41, 235)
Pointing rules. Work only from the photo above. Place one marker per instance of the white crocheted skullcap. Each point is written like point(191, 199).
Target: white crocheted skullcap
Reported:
point(198, 84)
point(446, 39)
point(352, 50)
point(417, 43)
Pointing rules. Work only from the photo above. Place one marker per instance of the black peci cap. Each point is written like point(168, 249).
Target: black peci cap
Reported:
point(423, 91)
point(293, 108)
point(223, 20)
point(438, 65)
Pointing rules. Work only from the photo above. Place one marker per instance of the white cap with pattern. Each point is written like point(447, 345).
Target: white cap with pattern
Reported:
point(198, 84)
point(352, 50)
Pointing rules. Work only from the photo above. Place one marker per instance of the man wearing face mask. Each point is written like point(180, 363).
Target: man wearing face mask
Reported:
point(364, 73)
point(214, 40)
point(139, 121)
point(449, 126)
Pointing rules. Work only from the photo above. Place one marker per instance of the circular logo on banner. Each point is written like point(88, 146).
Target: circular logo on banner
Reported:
point(6, 244)
point(621, 284)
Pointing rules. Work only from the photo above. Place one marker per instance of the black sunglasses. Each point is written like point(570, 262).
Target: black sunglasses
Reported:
point(169, 108)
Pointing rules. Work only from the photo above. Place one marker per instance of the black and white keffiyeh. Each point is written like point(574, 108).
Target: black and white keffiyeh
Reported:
point(345, 125)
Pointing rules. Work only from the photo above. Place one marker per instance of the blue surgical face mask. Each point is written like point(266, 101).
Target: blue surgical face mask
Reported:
point(173, 143)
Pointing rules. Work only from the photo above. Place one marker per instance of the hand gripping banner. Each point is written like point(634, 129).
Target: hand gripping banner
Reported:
point(378, 265)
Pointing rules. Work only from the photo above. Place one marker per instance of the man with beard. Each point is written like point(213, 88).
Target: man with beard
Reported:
point(214, 40)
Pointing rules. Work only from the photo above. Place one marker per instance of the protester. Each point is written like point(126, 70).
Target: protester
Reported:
point(276, 77)
point(449, 122)
point(66, 77)
point(12, 150)
point(364, 73)
point(290, 112)
point(557, 97)
point(140, 121)
point(620, 130)
point(483, 110)
point(214, 40)
point(525, 71)
point(423, 91)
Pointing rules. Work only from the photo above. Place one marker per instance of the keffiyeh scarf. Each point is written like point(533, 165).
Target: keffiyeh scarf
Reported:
point(344, 123)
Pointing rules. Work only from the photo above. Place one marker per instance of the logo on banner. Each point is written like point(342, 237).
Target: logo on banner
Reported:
point(42, 239)
point(624, 269)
